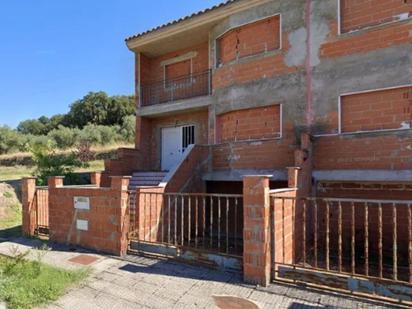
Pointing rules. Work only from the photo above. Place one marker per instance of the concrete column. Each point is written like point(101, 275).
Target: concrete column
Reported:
point(28, 188)
point(55, 181)
point(95, 178)
point(256, 230)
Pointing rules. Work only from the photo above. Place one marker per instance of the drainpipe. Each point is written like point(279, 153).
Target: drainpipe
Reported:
point(308, 65)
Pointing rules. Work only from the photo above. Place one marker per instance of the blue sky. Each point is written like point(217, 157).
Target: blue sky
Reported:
point(53, 52)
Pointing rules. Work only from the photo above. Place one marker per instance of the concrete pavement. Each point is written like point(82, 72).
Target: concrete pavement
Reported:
point(140, 282)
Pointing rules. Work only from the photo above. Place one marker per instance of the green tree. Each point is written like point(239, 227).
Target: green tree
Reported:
point(99, 109)
point(32, 126)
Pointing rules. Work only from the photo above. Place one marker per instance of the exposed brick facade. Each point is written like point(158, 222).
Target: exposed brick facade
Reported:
point(392, 152)
point(377, 110)
point(251, 39)
point(250, 124)
point(358, 14)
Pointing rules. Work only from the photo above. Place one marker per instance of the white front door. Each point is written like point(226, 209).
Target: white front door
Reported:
point(171, 147)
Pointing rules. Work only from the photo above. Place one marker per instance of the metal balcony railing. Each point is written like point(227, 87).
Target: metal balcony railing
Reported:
point(169, 90)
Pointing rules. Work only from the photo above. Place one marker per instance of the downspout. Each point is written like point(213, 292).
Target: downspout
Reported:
point(308, 65)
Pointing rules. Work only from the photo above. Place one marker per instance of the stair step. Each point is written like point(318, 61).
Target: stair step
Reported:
point(149, 174)
point(149, 182)
point(147, 177)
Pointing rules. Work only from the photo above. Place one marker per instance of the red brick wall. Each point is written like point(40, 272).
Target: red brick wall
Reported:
point(248, 124)
point(271, 154)
point(250, 39)
point(152, 70)
point(364, 42)
point(178, 69)
point(107, 218)
point(363, 152)
point(266, 67)
point(385, 109)
point(357, 14)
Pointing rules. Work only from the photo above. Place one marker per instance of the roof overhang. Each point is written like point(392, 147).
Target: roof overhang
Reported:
point(187, 32)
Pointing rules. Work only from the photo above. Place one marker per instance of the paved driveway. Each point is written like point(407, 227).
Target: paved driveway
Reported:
point(139, 282)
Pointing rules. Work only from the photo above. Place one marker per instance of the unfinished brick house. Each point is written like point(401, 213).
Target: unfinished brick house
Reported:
point(313, 98)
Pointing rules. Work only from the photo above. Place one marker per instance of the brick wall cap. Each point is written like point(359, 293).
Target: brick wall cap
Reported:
point(123, 177)
point(29, 177)
point(57, 177)
point(265, 176)
point(294, 167)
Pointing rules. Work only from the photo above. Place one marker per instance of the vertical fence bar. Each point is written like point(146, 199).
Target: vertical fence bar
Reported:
point(36, 229)
point(175, 220)
point(153, 210)
point(304, 232)
point(218, 222)
point(366, 239)
point(327, 236)
point(144, 215)
point(211, 222)
point(182, 218)
point(395, 240)
point(196, 218)
point(410, 241)
point(316, 234)
point(189, 218)
point(227, 225)
point(162, 216)
point(283, 229)
point(340, 236)
point(168, 219)
point(353, 239)
point(204, 221)
point(380, 241)
point(235, 229)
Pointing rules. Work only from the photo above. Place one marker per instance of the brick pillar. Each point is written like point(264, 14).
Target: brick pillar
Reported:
point(256, 230)
point(55, 181)
point(293, 177)
point(28, 189)
point(95, 178)
point(119, 185)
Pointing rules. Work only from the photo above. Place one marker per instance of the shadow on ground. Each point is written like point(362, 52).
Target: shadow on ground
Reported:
point(10, 233)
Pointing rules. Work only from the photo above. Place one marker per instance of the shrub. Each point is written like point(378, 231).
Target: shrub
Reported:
point(11, 140)
point(128, 129)
point(65, 137)
point(99, 135)
point(49, 163)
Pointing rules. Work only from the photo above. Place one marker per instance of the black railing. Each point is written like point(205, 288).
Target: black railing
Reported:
point(169, 90)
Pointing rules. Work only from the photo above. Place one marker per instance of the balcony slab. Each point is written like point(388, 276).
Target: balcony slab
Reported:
point(170, 108)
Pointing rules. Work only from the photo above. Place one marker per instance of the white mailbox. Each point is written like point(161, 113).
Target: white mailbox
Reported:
point(81, 202)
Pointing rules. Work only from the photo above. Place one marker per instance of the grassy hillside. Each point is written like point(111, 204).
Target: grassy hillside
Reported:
point(10, 210)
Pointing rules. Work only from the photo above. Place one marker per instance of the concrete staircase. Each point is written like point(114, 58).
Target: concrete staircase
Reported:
point(146, 179)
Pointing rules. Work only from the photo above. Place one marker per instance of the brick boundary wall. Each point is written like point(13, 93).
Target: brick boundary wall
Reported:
point(107, 218)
